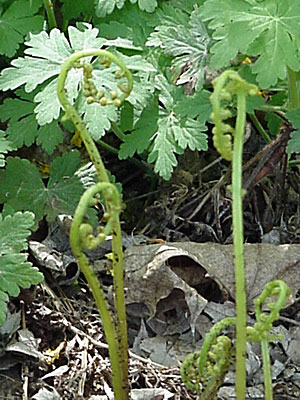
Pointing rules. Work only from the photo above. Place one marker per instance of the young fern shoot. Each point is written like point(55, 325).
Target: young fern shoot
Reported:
point(227, 85)
point(81, 236)
point(204, 371)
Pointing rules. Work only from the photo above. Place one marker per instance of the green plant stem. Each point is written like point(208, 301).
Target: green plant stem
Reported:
point(119, 361)
point(293, 90)
point(118, 131)
point(260, 128)
point(277, 109)
point(238, 242)
point(267, 369)
point(97, 291)
point(293, 163)
point(48, 4)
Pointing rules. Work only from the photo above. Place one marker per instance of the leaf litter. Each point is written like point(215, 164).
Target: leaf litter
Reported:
point(175, 292)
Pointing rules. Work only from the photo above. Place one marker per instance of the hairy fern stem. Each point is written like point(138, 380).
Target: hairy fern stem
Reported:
point(82, 234)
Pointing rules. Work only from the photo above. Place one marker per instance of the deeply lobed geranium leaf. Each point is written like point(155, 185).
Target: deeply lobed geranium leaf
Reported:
point(105, 7)
point(293, 145)
point(45, 56)
point(187, 43)
point(22, 188)
point(5, 146)
point(269, 29)
point(23, 128)
point(173, 136)
point(15, 22)
point(15, 271)
point(146, 126)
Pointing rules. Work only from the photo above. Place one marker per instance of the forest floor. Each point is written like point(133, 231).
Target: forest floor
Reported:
point(56, 347)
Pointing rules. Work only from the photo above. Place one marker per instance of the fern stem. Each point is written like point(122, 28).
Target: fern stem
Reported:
point(117, 337)
point(267, 369)
point(97, 291)
point(238, 242)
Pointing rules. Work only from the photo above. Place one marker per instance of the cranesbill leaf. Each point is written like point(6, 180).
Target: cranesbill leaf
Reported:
point(14, 230)
point(16, 22)
point(5, 146)
point(188, 44)
point(15, 271)
point(269, 29)
point(293, 145)
point(23, 128)
point(22, 188)
point(196, 106)
point(105, 7)
point(144, 129)
point(45, 56)
point(174, 135)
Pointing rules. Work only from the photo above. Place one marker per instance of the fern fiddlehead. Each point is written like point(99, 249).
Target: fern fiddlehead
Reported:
point(81, 236)
point(204, 371)
point(264, 323)
point(227, 85)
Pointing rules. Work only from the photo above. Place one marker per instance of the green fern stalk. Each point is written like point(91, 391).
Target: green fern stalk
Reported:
point(81, 234)
point(222, 139)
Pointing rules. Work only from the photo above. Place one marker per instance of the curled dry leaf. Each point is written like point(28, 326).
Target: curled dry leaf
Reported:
point(151, 273)
point(150, 279)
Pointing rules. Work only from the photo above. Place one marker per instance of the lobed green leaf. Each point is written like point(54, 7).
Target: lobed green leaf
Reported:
point(17, 21)
point(15, 271)
point(105, 7)
point(293, 145)
point(22, 188)
point(5, 146)
point(268, 29)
